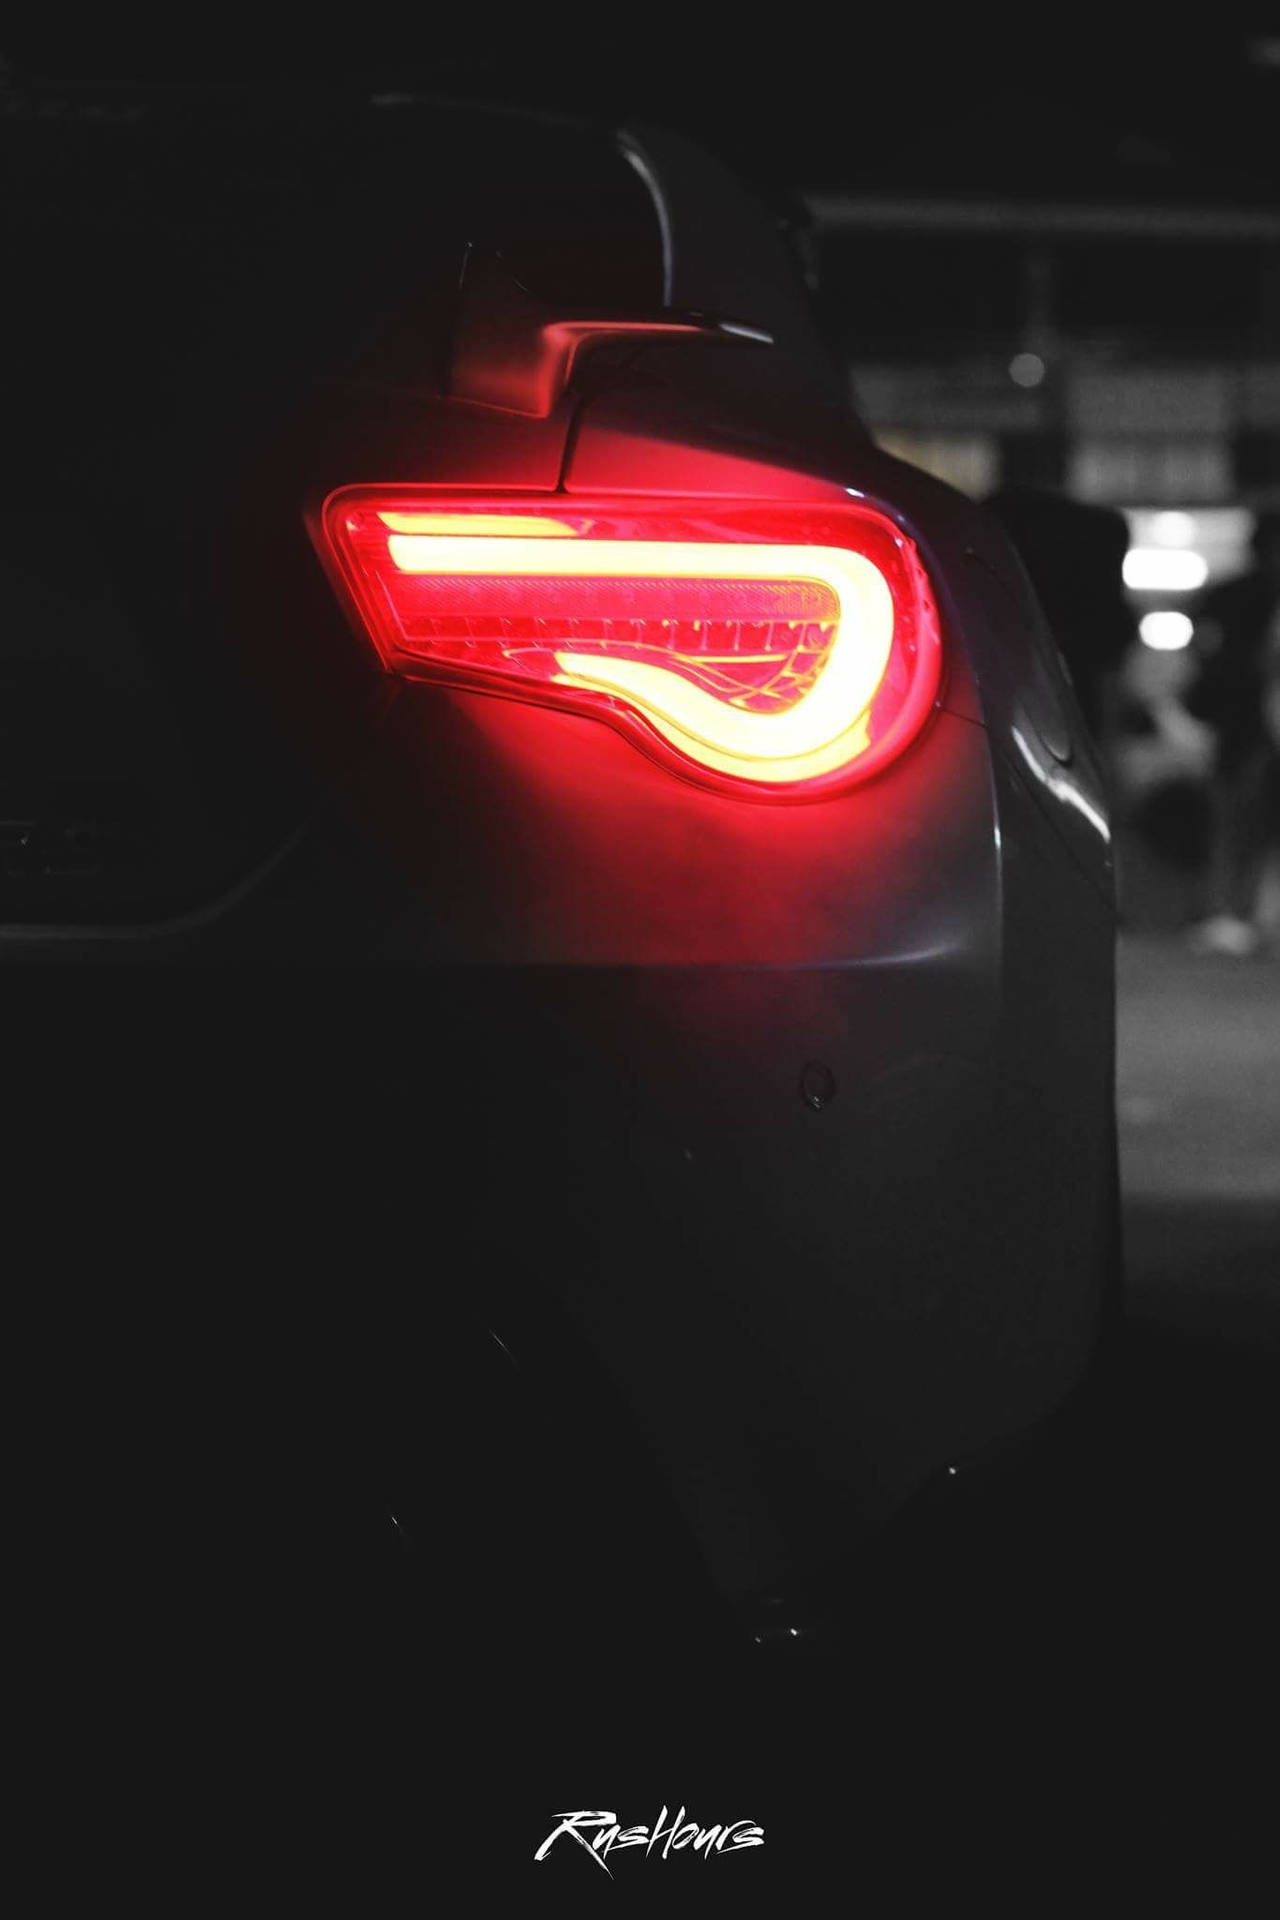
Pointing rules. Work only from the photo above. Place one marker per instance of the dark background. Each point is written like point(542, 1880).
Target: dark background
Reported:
point(1059, 1680)
point(795, 102)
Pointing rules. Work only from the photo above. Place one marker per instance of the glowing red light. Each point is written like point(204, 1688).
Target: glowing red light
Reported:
point(784, 647)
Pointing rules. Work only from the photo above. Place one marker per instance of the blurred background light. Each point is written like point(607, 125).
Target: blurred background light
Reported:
point(1173, 529)
point(967, 461)
point(1164, 570)
point(1166, 631)
point(1219, 535)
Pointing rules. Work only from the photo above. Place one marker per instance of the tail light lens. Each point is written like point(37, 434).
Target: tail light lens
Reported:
point(785, 649)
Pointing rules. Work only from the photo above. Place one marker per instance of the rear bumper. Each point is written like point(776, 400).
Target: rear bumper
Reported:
point(814, 1194)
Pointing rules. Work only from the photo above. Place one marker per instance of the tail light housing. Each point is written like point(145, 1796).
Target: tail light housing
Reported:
point(775, 649)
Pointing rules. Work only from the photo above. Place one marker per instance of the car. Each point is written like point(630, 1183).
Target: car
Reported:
point(557, 903)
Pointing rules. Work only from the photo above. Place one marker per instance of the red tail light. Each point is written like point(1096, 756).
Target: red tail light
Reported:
point(785, 648)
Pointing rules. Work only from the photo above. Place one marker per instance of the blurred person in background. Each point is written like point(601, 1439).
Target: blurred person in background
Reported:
point(1074, 555)
point(1236, 694)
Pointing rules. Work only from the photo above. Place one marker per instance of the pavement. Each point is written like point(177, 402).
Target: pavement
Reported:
point(1198, 1074)
point(1198, 1100)
point(1196, 1436)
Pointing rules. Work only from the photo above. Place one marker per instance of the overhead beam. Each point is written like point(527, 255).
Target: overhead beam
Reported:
point(838, 211)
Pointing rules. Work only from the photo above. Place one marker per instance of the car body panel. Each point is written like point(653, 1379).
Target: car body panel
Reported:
point(790, 1122)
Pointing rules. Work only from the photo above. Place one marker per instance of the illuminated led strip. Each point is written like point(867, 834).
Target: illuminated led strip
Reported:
point(470, 524)
point(822, 731)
